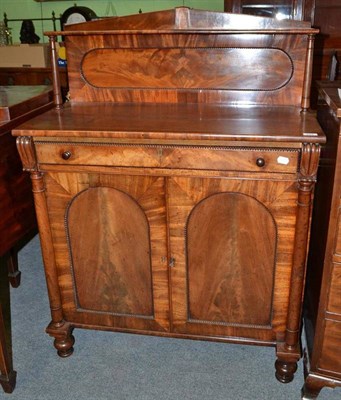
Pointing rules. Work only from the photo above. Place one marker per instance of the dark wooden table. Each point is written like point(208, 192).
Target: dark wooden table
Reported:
point(17, 221)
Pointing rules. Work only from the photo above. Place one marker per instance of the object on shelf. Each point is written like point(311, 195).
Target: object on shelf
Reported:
point(76, 15)
point(27, 32)
point(61, 55)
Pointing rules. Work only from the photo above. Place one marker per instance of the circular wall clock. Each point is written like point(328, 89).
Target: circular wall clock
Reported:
point(75, 15)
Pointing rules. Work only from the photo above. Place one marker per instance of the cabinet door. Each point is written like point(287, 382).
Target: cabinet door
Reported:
point(109, 236)
point(232, 243)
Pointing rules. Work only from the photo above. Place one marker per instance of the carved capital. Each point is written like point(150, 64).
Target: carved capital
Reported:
point(27, 153)
point(309, 163)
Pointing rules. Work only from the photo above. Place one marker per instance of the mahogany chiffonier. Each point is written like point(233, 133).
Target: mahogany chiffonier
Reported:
point(174, 191)
point(322, 312)
point(17, 216)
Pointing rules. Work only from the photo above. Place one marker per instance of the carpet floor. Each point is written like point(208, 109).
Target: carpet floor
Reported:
point(118, 366)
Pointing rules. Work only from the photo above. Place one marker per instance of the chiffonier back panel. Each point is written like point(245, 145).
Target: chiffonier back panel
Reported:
point(183, 62)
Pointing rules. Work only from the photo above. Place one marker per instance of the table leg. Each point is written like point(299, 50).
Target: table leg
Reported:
point(8, 375)
point(14, 274)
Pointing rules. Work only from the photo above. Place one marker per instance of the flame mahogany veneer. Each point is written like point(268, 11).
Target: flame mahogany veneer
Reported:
point(173, 192)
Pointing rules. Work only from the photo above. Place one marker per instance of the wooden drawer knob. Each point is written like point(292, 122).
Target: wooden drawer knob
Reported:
point(66, 155)
point(260, 162)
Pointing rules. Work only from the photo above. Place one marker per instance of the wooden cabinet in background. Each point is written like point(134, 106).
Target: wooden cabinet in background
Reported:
point(322, 314)
point(327, 18)
point(173, 192)
point(292, 9)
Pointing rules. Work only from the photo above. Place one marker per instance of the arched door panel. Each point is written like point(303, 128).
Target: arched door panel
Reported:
point(110, 251)
point(231, 242)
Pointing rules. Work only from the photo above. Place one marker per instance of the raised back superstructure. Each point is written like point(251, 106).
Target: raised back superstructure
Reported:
point(190, 56)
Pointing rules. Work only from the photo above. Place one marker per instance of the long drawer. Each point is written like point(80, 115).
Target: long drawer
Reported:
point(169, 156)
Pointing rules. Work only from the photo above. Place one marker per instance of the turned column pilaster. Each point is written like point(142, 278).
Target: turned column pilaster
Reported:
point(288, 352)
point(27, 153)
point(306, 183)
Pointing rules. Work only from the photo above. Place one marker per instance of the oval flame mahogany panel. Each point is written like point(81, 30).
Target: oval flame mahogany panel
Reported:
point(253, 69)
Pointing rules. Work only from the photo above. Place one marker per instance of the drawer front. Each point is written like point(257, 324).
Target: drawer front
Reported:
point(180, 157)
point(330, 359)
point(334, 302)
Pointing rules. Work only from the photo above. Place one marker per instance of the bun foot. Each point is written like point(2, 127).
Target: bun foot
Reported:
point(64, 347)
point(63, 338)
point(285, 371)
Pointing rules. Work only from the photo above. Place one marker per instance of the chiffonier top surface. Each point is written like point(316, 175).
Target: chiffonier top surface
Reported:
point(176, 122)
